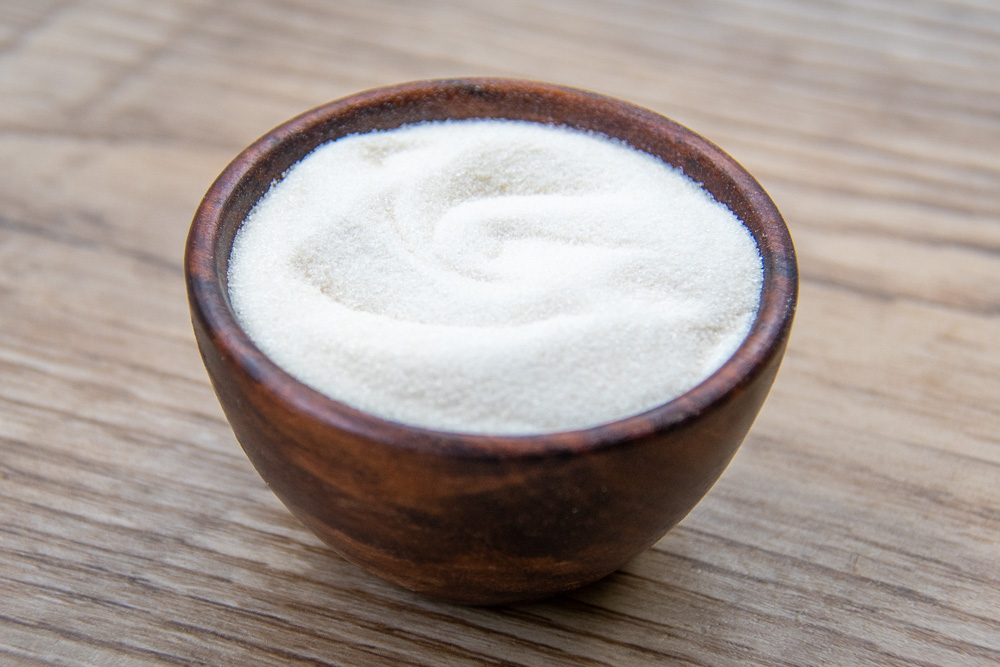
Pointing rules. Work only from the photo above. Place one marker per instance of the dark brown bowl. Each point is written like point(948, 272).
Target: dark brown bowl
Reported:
point(475, 518)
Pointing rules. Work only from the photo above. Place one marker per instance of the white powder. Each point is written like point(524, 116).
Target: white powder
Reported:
point(493, 277)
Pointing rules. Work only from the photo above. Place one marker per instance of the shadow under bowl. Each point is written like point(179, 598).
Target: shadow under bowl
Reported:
point(483, 519)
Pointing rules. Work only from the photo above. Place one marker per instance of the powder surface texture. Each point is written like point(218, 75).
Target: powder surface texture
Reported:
point(493, 276)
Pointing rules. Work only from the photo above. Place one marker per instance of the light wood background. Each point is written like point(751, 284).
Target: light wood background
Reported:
point(860, 522)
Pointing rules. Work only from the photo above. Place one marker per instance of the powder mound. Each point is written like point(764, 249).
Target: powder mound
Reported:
point(493, 276)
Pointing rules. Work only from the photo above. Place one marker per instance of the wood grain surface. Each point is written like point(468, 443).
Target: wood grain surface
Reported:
point(858, 524)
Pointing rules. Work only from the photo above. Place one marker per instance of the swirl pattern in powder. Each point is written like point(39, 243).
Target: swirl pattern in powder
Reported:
point(493, 277)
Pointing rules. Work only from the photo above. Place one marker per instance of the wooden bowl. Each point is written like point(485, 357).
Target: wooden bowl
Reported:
point(474, 518)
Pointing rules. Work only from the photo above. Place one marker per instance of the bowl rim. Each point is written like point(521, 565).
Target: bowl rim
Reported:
point(204, 270)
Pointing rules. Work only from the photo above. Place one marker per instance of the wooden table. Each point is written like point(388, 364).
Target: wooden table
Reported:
point(860, 522)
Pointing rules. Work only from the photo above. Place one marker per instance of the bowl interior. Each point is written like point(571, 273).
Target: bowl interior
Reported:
point(249, 176)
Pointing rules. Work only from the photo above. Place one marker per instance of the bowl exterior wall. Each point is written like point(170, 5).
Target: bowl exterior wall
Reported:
point(480, 530)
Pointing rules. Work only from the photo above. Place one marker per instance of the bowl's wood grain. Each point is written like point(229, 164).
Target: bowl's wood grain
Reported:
point(474, 518)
